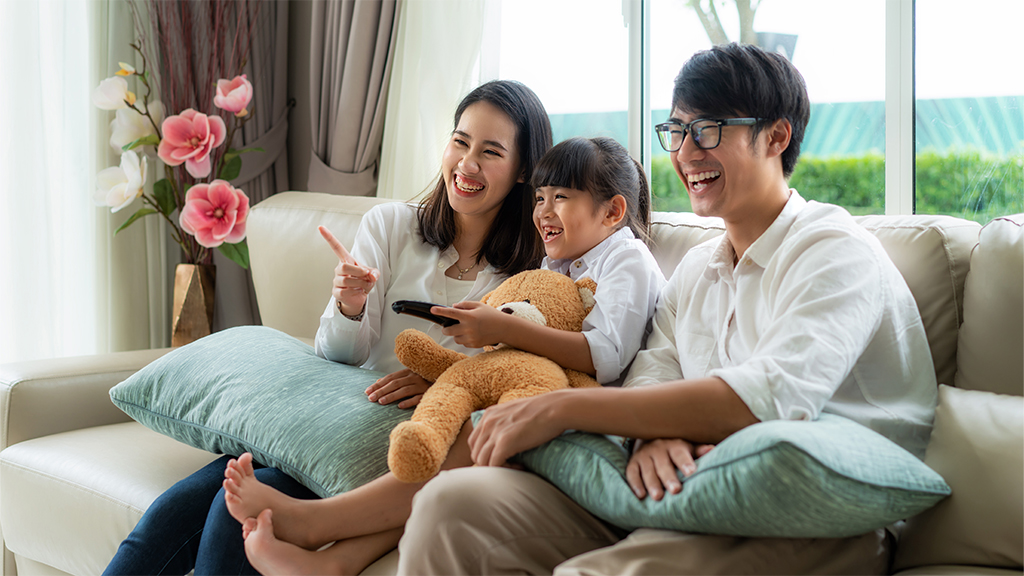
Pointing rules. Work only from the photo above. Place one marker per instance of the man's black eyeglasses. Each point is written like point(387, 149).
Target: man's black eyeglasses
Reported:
point(706, 134)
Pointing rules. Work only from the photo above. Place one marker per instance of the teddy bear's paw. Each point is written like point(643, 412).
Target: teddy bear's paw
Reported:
point(416, 452)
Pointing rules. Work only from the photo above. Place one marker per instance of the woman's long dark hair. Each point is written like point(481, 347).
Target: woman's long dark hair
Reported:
point(513, 244)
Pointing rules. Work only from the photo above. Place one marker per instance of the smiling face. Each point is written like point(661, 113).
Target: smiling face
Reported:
point(570, 222)
point(481, 162)
point(722, 181)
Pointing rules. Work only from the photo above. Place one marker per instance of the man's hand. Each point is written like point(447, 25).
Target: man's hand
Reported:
point(479, 324)
point(352, 282)
point(510, 428)
point(652, 468)
point(398, 385)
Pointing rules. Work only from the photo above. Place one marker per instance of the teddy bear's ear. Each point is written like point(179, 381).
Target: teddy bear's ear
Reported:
point(587, 287)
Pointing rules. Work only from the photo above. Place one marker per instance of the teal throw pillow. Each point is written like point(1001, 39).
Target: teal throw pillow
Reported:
point(829, 478)
point(255, 389)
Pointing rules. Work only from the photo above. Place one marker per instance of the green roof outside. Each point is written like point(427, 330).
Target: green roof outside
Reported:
point(993, 124)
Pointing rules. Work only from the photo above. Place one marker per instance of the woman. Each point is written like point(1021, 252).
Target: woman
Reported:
point(469, 234)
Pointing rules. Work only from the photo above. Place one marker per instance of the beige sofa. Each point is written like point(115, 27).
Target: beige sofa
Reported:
point(76, 474)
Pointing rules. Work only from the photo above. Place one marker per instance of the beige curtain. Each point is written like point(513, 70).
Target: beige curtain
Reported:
point(263, 173)
point(352, 46)
point(436, 65)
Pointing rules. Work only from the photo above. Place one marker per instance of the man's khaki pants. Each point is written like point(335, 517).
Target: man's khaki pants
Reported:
point(485, 520)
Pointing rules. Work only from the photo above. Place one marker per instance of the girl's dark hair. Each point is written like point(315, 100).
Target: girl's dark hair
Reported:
point(602, 167)
point(512, 245)
point(744, 80)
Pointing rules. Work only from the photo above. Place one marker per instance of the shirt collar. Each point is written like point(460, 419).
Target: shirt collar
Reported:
point(762, 250)
point(574, 268)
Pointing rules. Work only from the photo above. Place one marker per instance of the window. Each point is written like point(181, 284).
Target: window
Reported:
point(601, 65)
point(969, 109)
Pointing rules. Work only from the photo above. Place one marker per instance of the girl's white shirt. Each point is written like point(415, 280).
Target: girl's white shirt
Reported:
point(629, 281)
point(388, 239)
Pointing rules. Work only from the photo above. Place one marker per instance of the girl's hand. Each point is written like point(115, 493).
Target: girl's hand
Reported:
point(479, 324)
point(396, 386)
point(510, 428)
point(352, 282)
point(652, 468)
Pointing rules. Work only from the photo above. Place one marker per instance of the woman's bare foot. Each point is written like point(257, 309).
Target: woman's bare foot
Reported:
point(246, 497)
point(272, 556)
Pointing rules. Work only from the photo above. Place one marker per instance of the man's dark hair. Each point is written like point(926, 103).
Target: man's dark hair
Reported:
point(513, 244)
point(744, 80)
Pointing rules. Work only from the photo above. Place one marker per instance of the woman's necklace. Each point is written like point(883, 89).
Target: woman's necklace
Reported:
point(461, 271)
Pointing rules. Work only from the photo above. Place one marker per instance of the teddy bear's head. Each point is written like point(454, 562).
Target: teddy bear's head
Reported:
point(545, 297)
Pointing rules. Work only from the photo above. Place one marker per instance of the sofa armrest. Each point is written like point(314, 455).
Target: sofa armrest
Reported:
point(43, 397)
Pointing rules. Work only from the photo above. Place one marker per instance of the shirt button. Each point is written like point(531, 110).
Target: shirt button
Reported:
point(577, 264)
point(439, 293)
point(440, 265)
point(748, 261)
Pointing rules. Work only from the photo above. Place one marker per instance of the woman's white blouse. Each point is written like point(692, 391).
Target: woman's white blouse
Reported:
point(628, 283)
point(388, 239)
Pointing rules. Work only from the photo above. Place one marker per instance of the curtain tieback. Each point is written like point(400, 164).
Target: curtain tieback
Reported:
point(273, 143)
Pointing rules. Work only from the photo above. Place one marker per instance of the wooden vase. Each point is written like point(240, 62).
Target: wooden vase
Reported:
point(193, 302)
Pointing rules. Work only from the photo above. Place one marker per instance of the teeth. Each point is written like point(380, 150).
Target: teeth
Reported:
point(551, 232)
point(465, 186)
point(703, 176)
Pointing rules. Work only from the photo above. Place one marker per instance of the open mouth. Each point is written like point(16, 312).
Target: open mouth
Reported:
point(549, 233)
point(702, 180)
point(466, 185)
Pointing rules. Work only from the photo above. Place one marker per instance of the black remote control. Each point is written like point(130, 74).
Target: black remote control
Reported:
point(422, 310)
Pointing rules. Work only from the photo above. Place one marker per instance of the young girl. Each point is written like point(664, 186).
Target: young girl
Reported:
point(465, 238)
point(591, 207)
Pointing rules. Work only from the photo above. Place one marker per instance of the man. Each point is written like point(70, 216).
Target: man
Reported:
point(794, 311)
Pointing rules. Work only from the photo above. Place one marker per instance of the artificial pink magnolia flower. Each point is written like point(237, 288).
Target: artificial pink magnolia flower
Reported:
point(215, 213)
point(189, 137)
point(233, 95)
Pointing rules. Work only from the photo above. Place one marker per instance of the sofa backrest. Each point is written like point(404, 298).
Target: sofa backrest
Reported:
point(293, 267)
point(990, 355)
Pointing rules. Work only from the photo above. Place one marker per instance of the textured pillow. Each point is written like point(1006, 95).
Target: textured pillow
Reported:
point(255, 389)
point(978, 447)
point(828, 478)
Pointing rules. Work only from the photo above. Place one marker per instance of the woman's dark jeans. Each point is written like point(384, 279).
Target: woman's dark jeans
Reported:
point(189, 526)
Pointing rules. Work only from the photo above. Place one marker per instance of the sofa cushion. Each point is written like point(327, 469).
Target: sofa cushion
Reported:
point(933, 255)
point(828, 478)
point(255, 389)
point(992, 335)
point(977, 445)
point(69, 499)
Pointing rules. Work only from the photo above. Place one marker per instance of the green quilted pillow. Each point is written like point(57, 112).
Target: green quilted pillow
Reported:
point(255, 389)
point(828, 478)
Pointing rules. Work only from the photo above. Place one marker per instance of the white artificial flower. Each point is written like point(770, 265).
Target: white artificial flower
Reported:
point(119, 186)
point(128, 125)
point(112, 93)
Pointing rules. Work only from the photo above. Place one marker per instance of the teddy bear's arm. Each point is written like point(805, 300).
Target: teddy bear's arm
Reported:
point(419, 353)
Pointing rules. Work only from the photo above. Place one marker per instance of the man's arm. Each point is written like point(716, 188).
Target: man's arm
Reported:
point(703, 411)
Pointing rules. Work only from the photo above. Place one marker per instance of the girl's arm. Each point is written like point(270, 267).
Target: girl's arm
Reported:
point(482, 325)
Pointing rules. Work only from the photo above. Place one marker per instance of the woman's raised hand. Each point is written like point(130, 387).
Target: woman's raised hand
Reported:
point(352, 282)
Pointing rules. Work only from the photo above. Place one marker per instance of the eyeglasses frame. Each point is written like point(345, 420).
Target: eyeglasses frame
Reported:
point(687, 129)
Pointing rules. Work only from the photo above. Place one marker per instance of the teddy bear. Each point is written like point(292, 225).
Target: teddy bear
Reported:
point(463, 384)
